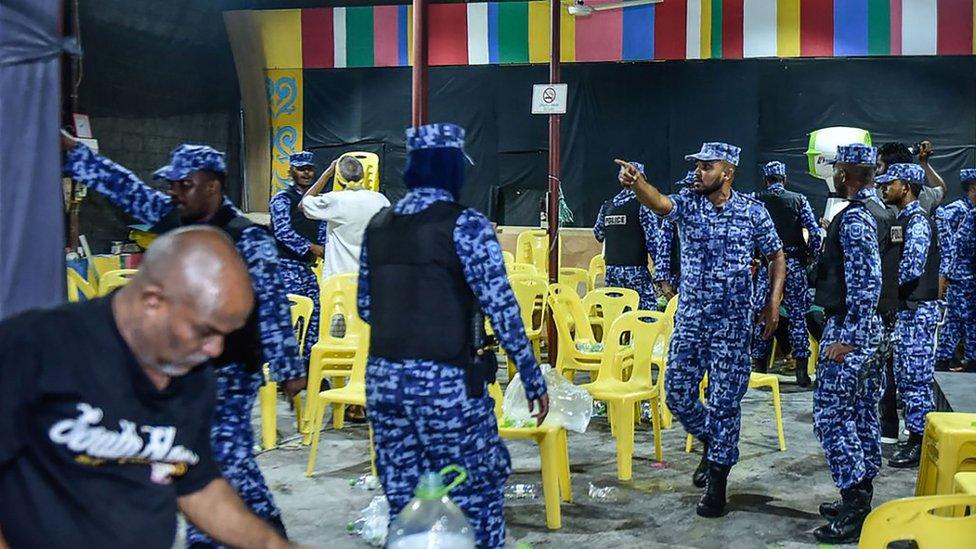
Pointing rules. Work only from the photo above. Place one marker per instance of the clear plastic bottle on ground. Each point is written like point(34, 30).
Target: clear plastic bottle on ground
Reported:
point(431, 520)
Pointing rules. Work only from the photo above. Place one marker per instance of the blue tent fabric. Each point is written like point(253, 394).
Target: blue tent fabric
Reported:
point(31, 204)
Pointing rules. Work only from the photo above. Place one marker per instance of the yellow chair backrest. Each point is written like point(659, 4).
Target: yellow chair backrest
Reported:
point(576, 278)
point(522, 268)
point(607, 304)
point(532, 246)
point(567, 311)
point(78, 287)
point(338, 297)
point(371, 171)
point(301, 313)
point(114, 279)
point(671, 309)
point(358, 373)
point(508, 257)
point(598, 268)
point(531, 292)
point(913, 519)
point(648, 329)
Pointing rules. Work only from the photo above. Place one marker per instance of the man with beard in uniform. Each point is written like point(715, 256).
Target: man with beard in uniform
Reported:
point(791, 213)
point(299, 239)
point(196, 176)
point(918, 290)
point(629, 233)
point(719, 229)
point(845, 401)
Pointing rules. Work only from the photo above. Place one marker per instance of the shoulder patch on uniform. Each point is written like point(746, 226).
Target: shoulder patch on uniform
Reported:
point(495, 253)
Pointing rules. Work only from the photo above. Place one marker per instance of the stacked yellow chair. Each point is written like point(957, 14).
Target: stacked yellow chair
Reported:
point(530, 292)
point(114, 279)
point(948, 447)
point(642, 330)
point(554, 455)
point(577, 279)
point(572, 327)
point(78, 287)
point(604, 305)
point(925, 520)
point(661, 358)
point(532, 246)
point(332, 356)
point(597, 270)
point(521, 268)
point(301, 313)
point(351, 394)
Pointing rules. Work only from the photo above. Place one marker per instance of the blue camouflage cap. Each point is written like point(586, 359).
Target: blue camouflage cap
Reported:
point(187, 159)
point(912, 173)
point(717, 151)
point(436, 136)
point(857, 153)
point(688, 179)
point(774, 168)
point(967, 175)
point(301, 159)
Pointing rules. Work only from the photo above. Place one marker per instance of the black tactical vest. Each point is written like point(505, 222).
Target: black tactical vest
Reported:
point(926, 287)
point(420, 304)
point(624, 243)
point(831, 286)
point(305, 227)
point(890, 256)
point(784, 208)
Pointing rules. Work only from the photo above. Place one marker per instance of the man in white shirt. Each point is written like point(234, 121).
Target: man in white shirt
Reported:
point(347, 213)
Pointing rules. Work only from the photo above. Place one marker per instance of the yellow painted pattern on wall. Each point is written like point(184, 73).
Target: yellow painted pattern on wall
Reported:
point(285, 101)
point(281, 38)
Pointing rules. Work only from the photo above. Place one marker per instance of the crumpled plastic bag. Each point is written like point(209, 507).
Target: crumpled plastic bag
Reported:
point(373, 522)
point(570, 406)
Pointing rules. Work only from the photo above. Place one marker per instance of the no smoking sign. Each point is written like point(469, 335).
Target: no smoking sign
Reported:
point(549, 98)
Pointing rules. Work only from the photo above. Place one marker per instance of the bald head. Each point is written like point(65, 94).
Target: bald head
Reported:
point(192, 289)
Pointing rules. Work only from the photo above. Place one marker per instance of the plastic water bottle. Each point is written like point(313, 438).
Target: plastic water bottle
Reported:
point(431, 520)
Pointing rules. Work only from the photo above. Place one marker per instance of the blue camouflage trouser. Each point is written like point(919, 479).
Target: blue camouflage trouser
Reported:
point(232, 440)
point(636, 278)
point(845, 408)
point(717, 345)
point(915, 362)
point(299, 279)
point(796, 301)
point(422, 421)
point(960, 322)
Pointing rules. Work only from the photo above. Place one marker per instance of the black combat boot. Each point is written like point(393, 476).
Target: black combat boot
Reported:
point(760, 365)
point(802, 376)
point(712, 503)
point(830, 510)
point(908, 454)
point(700, 476)
point(846, 526)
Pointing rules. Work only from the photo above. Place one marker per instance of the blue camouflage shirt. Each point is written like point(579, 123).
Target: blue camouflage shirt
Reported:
point(125, 190)
point(918, 237)
point(948, 219)
point(284, 231)
point(963, 265)
point(664, 271)
point(862, 271)
point(647, 220)
point(717, 249)
point(484, 270)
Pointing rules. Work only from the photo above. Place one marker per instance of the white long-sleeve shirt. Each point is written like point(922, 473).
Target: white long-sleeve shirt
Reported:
point(347, 212)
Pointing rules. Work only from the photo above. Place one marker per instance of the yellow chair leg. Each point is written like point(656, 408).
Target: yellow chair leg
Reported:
point(565, 484)
point(297, 403)
point(688, 444)
point(312, 389)
point(625, 440)
point(316, 428)
point(511, 368)
point(551, 464)
point(777, 409)
point(338, 416)
point(667, 418)
point(372, 452)
point(656, 425)
point(537, 349)
point(267, 396)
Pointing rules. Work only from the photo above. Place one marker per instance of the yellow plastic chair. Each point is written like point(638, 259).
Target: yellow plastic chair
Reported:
point(811, 363)
point(352, 394)
point(508, 257)
point(371, 171)
point(661, 357)
point(301, 313)
point(521, 268)
point(554, 457)
point(78, 287)
point(756, 380)
point(114, 279)
point(604, 305)
point(532, 246)
point(332, 356)
point(572, 328)
point(630, 343)
point(948, 447)
point(531, 292)
point(924, 520)
point(576, 278)
point(597, 269)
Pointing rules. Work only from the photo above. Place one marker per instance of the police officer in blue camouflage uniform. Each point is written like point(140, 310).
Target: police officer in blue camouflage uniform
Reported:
point(960, 292)
point(918, 290)
point(719, 229)
point(791, 213)
point(667, 265)
point(845, 401)
point(196, 177)
point(430, 270)
point(299, 239)
point(629, 233)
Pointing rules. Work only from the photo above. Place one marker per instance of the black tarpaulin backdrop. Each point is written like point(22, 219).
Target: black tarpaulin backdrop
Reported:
point(650, 112)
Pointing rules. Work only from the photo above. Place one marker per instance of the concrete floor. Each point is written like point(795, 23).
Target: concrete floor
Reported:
point(773, 495)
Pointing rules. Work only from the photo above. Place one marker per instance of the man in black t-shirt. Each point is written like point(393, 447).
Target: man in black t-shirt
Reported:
point(105, 414)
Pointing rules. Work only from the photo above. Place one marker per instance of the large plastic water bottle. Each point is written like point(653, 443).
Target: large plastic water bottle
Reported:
point(431, 520)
